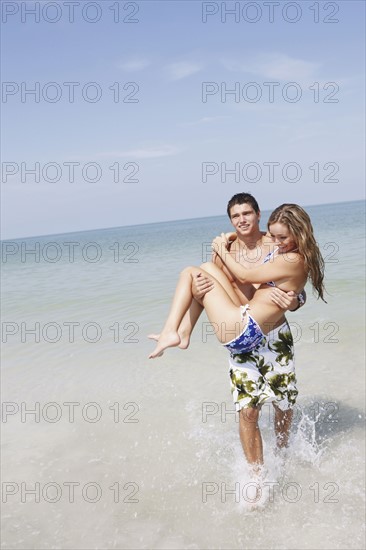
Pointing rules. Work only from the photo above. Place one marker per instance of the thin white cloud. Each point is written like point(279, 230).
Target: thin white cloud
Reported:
point(144, 153)
point(134, 64)
point(182, 69)
point(205, 120)
point(275, 66)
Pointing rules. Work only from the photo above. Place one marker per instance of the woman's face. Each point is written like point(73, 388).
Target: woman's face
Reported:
point(281, 237)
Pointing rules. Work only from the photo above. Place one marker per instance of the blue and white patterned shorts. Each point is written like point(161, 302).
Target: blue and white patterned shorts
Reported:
point(266, 374)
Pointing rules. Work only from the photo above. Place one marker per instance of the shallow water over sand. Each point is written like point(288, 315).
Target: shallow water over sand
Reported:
point(122, 452)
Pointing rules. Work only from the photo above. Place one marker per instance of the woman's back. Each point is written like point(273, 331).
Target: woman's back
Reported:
point(262, 308)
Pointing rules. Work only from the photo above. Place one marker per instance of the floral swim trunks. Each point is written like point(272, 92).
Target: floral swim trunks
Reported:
point(267, 373)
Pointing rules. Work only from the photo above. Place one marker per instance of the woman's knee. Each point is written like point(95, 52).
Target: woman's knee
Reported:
point(190, 270)
point(209, 267)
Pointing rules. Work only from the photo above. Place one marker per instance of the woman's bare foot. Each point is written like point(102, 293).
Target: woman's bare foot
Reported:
point(154, 337)
point(184, 339)
point(165, 340)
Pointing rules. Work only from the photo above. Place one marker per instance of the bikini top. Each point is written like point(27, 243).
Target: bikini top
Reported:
point(301, 296)
point(266, 259)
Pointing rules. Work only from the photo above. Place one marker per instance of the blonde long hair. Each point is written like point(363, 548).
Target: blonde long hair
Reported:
point(299, 224)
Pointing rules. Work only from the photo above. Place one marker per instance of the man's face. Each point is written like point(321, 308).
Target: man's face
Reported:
point(244, 219)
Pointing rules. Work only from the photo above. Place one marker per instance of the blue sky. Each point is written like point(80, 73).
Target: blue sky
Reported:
point(172, 143)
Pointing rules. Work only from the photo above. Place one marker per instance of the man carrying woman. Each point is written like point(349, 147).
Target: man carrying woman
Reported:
point(254, 272)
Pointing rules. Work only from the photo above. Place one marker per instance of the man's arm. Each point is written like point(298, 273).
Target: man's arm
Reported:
point(301, 298)
point(288, 301)
point(201, 283)
point(270, 271)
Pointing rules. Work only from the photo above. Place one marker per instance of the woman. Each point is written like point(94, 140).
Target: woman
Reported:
point(295, 259)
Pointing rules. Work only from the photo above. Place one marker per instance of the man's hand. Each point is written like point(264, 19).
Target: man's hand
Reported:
point(220, 245)
point(231, 237)
point(287, 301)
point(201, 285)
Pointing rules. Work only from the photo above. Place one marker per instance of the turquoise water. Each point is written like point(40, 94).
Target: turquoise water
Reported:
point(75, 317)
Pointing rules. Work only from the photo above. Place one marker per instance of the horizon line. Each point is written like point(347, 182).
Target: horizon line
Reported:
point(155, 223)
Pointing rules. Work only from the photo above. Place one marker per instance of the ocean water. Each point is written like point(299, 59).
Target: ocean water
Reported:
point(103, 448)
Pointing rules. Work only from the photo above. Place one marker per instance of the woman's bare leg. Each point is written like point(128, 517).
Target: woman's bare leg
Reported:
point(190, 319)
point(219, 307)
point(219, 275)
point(192, 315)
point(182, 300)
point(188, 323)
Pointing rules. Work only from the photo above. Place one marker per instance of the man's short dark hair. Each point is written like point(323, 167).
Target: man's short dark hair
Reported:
point(242, 198)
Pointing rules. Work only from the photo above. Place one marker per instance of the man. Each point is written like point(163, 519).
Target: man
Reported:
point(266, 374)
